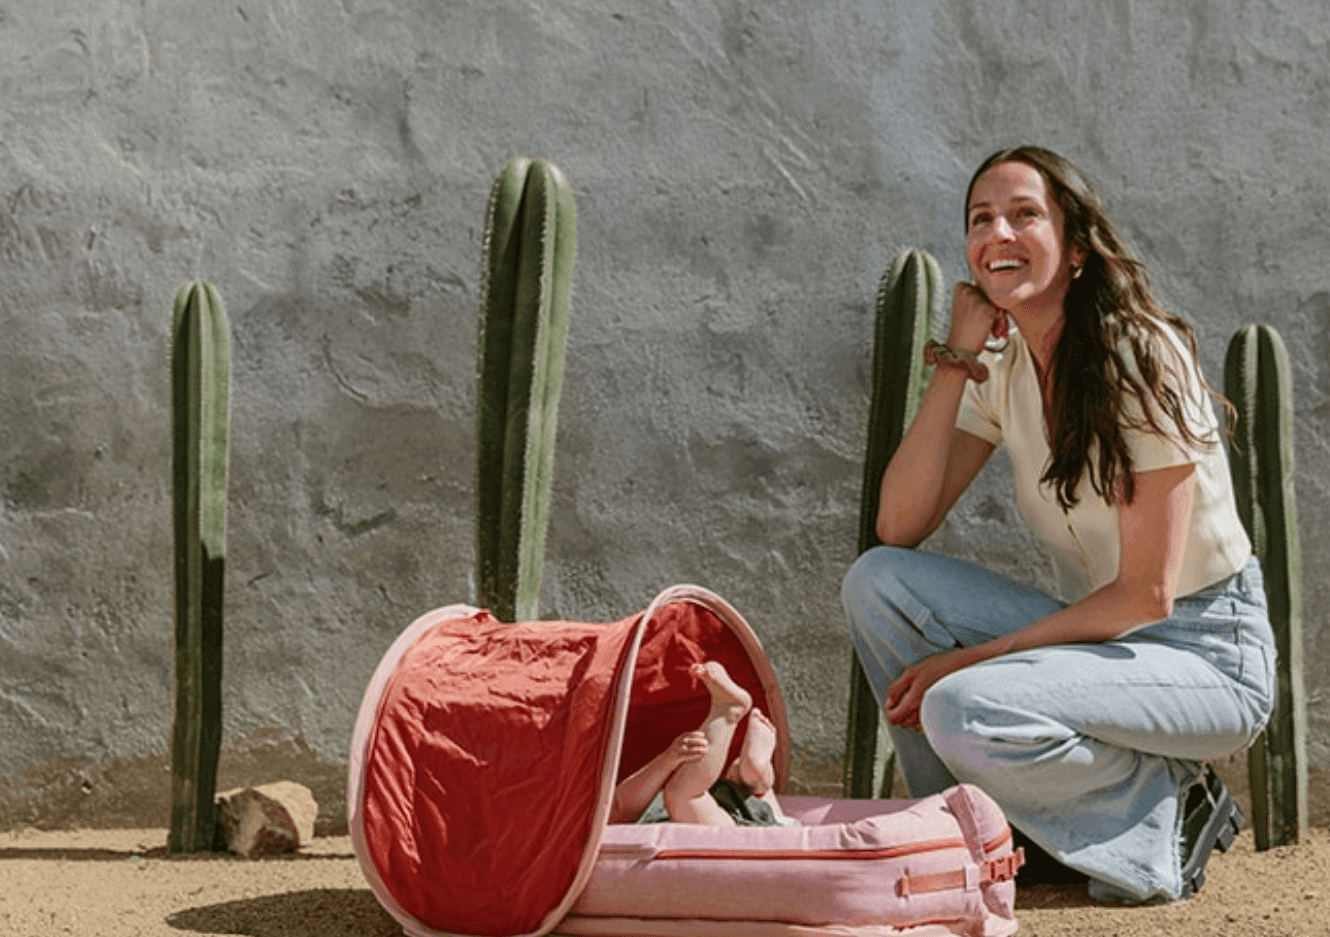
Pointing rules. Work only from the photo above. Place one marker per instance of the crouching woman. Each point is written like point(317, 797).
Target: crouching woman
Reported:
point(1087, 716)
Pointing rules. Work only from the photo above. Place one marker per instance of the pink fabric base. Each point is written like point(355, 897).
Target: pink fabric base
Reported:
point(574, 926)
point(838, 874)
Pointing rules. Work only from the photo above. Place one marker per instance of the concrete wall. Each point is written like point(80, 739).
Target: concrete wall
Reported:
point(744, 171)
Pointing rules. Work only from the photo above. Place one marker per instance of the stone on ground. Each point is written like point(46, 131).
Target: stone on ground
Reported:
point(267, 820)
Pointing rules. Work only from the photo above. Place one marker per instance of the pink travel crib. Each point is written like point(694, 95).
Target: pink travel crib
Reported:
point(485, 757)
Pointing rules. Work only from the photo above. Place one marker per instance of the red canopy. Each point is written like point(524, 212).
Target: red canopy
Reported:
point(486, 753)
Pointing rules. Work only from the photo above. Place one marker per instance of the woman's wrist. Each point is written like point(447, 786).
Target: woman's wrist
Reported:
point(962, 359)
point(974, 344)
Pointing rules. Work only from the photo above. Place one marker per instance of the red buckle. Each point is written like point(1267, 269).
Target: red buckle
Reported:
point(1004, 867)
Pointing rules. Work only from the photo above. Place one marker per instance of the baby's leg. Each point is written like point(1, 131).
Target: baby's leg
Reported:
point(635, 792)
point(686, 792)
point(753, 769)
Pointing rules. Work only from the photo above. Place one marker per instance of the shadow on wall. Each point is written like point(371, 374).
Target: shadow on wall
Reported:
point(125, 793)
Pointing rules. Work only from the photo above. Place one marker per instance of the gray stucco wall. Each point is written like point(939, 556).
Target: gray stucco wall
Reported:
point(743, 170)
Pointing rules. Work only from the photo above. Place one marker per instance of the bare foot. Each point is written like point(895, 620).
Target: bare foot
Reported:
point(754, 767)
point(727, 697)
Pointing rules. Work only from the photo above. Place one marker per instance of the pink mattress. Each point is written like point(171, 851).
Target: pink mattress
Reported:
point(940, 865)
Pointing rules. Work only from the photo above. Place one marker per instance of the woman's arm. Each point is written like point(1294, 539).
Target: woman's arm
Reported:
point(1153, 532)
point(936, 462)
point(919, 491)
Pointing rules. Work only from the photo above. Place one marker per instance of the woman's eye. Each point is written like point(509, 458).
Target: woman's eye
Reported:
point(980, 218)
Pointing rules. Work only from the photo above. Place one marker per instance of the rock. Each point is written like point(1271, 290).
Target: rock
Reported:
point(266, 820)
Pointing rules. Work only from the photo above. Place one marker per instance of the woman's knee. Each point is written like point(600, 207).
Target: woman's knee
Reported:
point(942, 712)
point(868, 578)
point(951, 718)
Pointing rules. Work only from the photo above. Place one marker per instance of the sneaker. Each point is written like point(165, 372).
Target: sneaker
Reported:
point(1211, 819)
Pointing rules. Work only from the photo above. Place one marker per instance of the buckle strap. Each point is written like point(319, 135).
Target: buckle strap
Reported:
point(969, 878)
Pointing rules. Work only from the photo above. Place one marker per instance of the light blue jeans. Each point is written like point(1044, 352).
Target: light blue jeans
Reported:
point(1086, 747)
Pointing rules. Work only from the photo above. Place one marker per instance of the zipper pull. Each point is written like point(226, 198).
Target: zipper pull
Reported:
point(640, 851)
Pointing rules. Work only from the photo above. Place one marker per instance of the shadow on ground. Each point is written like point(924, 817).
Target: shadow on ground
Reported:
point(1031, 897)
point(321, 912)
point(61, 854)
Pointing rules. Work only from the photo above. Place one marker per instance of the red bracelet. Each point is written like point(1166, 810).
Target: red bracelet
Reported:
point(935, 353)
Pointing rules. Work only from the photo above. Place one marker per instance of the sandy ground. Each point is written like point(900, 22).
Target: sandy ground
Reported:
point(122, 883)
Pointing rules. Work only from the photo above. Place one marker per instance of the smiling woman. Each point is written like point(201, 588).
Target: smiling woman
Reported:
point(1085, 715)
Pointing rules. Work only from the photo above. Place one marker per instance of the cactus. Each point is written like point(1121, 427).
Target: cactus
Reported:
point(530, 242)
point(200, 386)
point(1256, 380)
point(909, 297)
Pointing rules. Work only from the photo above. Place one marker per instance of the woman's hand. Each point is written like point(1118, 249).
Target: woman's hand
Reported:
point(905, 696)
point(974, 319)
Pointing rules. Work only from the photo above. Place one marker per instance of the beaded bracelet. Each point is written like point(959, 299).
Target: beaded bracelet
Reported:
point(935, 353)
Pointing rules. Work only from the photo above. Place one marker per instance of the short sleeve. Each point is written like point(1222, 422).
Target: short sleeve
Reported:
point(979, 413)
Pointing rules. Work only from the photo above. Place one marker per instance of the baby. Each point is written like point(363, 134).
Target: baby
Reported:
point(684, 782)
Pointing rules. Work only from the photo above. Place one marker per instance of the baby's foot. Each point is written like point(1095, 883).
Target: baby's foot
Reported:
point(727, 697)
point(754, 764)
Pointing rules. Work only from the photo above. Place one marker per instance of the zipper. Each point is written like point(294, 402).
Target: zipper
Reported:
point(881, 852)
point(997, 841)
point(647, 853)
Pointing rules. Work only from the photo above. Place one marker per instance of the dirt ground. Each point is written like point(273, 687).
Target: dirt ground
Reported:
point(123, 883)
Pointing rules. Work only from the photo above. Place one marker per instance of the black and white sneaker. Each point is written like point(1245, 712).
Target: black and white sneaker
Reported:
point(1211, 819)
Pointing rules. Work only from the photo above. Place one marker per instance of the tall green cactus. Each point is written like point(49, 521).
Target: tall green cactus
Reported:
point(1257, 381)
point(200, 417)
point(908, 298)
point(530, 243)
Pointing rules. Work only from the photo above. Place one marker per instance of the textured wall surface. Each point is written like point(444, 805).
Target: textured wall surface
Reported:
point(743, 170)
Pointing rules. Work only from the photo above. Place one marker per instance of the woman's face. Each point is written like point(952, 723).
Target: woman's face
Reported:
point(1016, 247)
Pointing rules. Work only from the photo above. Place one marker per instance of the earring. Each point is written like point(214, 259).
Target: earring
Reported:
point(1076, 271)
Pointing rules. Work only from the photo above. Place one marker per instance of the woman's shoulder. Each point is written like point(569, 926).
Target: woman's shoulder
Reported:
point(1162, 344)
point(1161, 361)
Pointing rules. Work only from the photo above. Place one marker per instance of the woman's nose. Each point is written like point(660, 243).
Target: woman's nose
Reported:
point(1002, 229)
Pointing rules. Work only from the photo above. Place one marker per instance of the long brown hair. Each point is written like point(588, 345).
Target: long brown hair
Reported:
point(1108, 303)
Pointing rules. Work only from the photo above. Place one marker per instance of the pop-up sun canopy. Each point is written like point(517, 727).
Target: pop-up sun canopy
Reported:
point(486, 754)
point(484, 763)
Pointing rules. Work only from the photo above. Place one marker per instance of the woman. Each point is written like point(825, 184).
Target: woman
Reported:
point(1086, 717)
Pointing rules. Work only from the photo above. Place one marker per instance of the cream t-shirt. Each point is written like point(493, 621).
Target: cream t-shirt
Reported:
point(1083, 542)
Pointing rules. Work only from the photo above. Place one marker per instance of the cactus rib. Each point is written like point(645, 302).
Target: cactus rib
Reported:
point(908, 300)
point(200, 416)
point(530, 247)
point(1258, 382)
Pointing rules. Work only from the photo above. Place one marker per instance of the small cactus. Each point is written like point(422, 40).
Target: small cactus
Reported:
point(530, 243)
point(200, 417)
point(1257, 381)
point(908, 299)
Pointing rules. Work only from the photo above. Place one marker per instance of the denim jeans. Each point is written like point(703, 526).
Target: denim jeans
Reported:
point(1086, 747)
